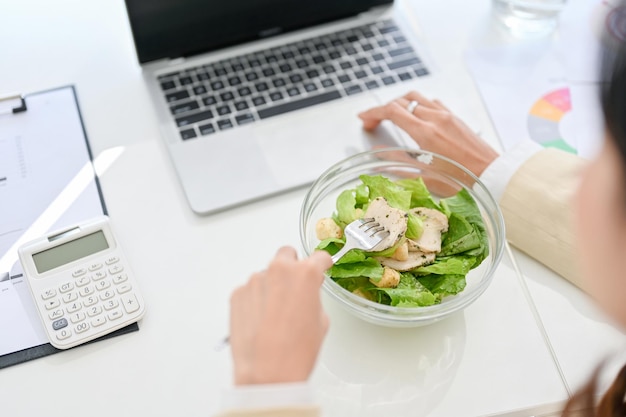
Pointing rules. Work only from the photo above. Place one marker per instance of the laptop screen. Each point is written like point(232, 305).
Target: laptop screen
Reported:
point(178, 28)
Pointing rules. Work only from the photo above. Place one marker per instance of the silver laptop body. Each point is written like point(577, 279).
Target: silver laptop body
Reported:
point(237, 133)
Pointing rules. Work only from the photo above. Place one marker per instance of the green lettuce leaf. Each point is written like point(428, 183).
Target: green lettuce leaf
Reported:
point(414, 227)
point(362, 195)
point(409, 293)
point(354, 283)
point(460, 237)
point(380, 186)
point(346, 208)
point(442, 285)
point(352, 256)
point(420, 196)
point(369, 267)
point(457, 265)
point(464, 205)
point(331, 245)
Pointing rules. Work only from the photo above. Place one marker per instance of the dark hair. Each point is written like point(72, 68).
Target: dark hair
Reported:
point(613, 99)
point(583, 402)
point(613, 77)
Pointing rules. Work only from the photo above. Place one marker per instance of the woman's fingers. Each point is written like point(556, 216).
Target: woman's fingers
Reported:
point(423, 112)
point(395, 112)
point(435, 128)
point(287, 253)
point(440, 105)
point(321, 259)
point(390, 111)
point(422, 101)
point(420, 124)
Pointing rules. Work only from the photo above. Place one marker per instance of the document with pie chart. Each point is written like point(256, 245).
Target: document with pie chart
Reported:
point(546, 90)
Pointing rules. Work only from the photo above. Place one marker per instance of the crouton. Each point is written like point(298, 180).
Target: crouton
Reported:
point(390, 279)
point(326, 228)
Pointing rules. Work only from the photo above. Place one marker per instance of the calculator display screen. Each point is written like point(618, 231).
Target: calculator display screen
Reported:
point(70, 251)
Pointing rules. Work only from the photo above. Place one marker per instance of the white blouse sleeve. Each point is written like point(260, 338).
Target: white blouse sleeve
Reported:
point(499, 173)
point(267, 396)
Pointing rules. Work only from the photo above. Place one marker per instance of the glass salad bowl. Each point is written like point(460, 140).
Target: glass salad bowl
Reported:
point(445, 181)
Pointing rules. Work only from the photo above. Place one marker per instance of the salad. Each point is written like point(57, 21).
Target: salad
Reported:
point(431, 247)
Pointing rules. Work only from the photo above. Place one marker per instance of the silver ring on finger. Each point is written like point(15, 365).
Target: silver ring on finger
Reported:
point(412, 106)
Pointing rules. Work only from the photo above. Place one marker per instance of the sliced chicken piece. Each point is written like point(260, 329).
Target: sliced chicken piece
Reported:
point(414, 260)
point(433, 214)
point(392, 219)
point(390, 279)
point(434, 223)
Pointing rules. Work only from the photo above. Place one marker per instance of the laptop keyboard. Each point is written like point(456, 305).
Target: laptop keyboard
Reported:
point(226, 94)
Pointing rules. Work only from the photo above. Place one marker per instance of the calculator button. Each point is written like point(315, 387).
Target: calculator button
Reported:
point(82, 327)
point(111, 304)
point(48, 293)
point(106, 295)
point(63, 334)
point(75, 306)
point(103, 285)
point(70, 296)
point(99, 275)
point(52, 304)
point(120, 278)
point(79, 272)
point(130, 303)
point(58, 313)
point(78, 317)
point(94, 311)
point(115, 314)
point(95, 267)
point(83, 281)
point(86, 291)
point(68, 286)
point(91, 300)
point(112, 260)
point(116, 269)
point(98, 321)
point(59, 324)
point(122, 288)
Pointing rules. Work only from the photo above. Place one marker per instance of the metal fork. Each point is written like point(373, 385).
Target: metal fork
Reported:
point(361, 234)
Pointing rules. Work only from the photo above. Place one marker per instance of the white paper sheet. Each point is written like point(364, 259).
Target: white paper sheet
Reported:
point(47, 182)
point(547, 90)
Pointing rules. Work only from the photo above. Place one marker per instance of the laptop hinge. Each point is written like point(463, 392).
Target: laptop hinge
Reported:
point(375, 11)
point(176, 61)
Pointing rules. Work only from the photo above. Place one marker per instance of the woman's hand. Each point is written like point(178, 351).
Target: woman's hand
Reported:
point(435, 129)
point(277, 324)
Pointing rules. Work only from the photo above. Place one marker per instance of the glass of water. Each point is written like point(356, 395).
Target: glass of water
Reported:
point(529, 18)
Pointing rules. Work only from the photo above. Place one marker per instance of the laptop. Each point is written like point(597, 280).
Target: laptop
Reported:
point(257, 97)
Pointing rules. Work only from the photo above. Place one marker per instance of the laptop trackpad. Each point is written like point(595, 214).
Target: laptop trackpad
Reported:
point(299, 146)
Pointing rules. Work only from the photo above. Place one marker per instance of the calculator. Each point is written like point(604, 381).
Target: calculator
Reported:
point(81, 283)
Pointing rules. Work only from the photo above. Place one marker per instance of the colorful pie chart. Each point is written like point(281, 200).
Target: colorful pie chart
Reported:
point(545, 116)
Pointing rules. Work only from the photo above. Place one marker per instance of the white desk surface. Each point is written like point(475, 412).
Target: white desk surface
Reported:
point(516, 351)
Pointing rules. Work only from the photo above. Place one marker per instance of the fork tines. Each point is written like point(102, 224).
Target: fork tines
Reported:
point(371, 225)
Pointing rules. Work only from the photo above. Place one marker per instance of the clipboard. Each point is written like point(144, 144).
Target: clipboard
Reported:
point(47, 181)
